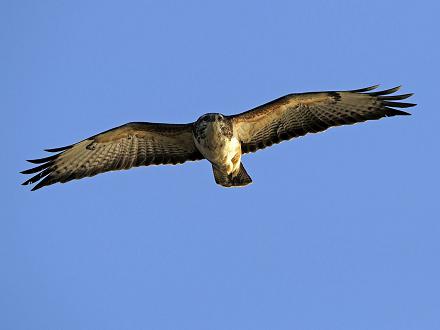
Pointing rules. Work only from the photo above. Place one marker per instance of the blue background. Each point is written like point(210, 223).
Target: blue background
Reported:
point(339, 230)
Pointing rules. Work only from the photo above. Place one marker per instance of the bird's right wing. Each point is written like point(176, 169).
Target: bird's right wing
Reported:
point(123, 147)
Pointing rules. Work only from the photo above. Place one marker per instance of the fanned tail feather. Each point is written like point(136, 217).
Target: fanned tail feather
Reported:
point(241, 179)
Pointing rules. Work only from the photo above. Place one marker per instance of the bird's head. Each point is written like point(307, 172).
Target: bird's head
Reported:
point(211, 117)
point(216, 123)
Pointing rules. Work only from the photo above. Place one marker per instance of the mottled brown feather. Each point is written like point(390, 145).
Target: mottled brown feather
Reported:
point(124, 147)
point(295, 115)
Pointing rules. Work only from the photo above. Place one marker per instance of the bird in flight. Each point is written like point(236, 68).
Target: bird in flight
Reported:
point(218, 138)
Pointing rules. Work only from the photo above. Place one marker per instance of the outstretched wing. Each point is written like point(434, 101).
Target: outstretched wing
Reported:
point(130, 145)
point(295, 115)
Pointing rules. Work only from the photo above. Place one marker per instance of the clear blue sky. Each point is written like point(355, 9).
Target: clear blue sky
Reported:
point(339, 230)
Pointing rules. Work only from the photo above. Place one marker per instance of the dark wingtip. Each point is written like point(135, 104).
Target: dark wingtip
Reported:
point(403, 113)
point(398, 104)
point(42, 160)
point(39, 176)
point(42, 183)
point(389, 112)
point(395, 97)
point(58, 149)
point(37, 169)
point(27, 182)
point(386, 91)
point(365, 89)
point(44, 169)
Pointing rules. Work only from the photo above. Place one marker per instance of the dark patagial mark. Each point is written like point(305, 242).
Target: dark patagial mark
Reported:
point(91, 146)
point(335, 95)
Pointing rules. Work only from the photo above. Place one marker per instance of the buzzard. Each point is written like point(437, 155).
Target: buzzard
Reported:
point(220, 139)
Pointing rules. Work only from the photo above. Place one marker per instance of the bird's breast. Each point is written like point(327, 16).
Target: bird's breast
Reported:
point(216, 145)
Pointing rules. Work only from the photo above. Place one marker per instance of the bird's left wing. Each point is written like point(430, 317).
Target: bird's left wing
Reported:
point(124, 147)
point(295, 115)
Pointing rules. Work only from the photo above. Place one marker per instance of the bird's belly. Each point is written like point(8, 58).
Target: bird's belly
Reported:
point(223, 153)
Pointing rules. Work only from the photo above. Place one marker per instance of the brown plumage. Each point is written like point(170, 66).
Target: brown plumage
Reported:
point(215, 137)
point(295, 115)
point(121, 148)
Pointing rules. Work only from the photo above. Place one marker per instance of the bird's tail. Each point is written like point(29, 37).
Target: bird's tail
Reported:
point(229, 180)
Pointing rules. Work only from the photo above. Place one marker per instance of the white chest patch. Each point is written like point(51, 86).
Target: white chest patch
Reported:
point(221, 151)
